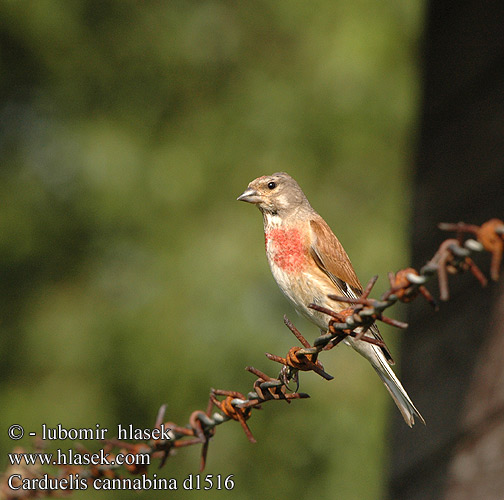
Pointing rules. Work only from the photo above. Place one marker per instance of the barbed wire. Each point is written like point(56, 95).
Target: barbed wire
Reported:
point(452, 257)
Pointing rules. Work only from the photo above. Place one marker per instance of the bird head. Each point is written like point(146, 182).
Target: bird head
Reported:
point(274, 193)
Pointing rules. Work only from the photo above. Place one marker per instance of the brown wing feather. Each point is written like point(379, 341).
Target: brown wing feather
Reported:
point(330, 256)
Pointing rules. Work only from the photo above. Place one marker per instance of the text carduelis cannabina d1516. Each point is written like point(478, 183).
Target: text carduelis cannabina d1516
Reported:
point(309, 263)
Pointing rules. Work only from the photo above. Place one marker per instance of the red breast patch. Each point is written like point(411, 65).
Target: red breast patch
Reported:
point(286, 249)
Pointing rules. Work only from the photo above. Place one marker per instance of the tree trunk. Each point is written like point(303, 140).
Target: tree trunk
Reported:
point(453, 360)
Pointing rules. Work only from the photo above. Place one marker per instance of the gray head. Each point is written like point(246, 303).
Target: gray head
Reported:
point(277, 193)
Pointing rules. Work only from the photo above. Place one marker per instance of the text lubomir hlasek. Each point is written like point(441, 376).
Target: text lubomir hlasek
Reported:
point(99, 433)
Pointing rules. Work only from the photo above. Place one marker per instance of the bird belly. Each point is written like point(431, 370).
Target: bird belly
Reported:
point(302, 290)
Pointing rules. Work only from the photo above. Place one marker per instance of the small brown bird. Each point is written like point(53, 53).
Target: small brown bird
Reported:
point(309, 263)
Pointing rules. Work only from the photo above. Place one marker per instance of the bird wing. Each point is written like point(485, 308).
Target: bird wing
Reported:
point(330, 256)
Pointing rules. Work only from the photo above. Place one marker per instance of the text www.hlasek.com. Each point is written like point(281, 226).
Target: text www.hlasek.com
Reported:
point(72, 457)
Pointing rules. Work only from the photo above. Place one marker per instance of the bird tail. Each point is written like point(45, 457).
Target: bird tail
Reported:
point(395, 388)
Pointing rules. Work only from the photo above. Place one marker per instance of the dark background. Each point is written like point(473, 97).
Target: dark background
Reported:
point(454, 359)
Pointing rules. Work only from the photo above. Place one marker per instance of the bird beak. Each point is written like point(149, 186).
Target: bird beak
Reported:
point(250, 196)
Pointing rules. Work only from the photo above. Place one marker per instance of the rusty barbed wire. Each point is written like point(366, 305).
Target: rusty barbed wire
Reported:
point(452, 257)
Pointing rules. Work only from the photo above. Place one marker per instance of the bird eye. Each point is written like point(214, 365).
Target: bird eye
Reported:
point(271, 185)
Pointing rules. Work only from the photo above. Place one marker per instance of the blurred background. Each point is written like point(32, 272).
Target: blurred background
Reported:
point(130, 276)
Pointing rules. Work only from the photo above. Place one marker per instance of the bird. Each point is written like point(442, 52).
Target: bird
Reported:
point(309, 263)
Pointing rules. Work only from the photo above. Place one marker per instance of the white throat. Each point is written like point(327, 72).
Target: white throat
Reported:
point(271, 220)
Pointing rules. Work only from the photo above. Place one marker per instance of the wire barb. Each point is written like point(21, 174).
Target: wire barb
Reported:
point(490, 235)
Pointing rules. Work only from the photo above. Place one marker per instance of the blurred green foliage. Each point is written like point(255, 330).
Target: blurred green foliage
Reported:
point(131, 277)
